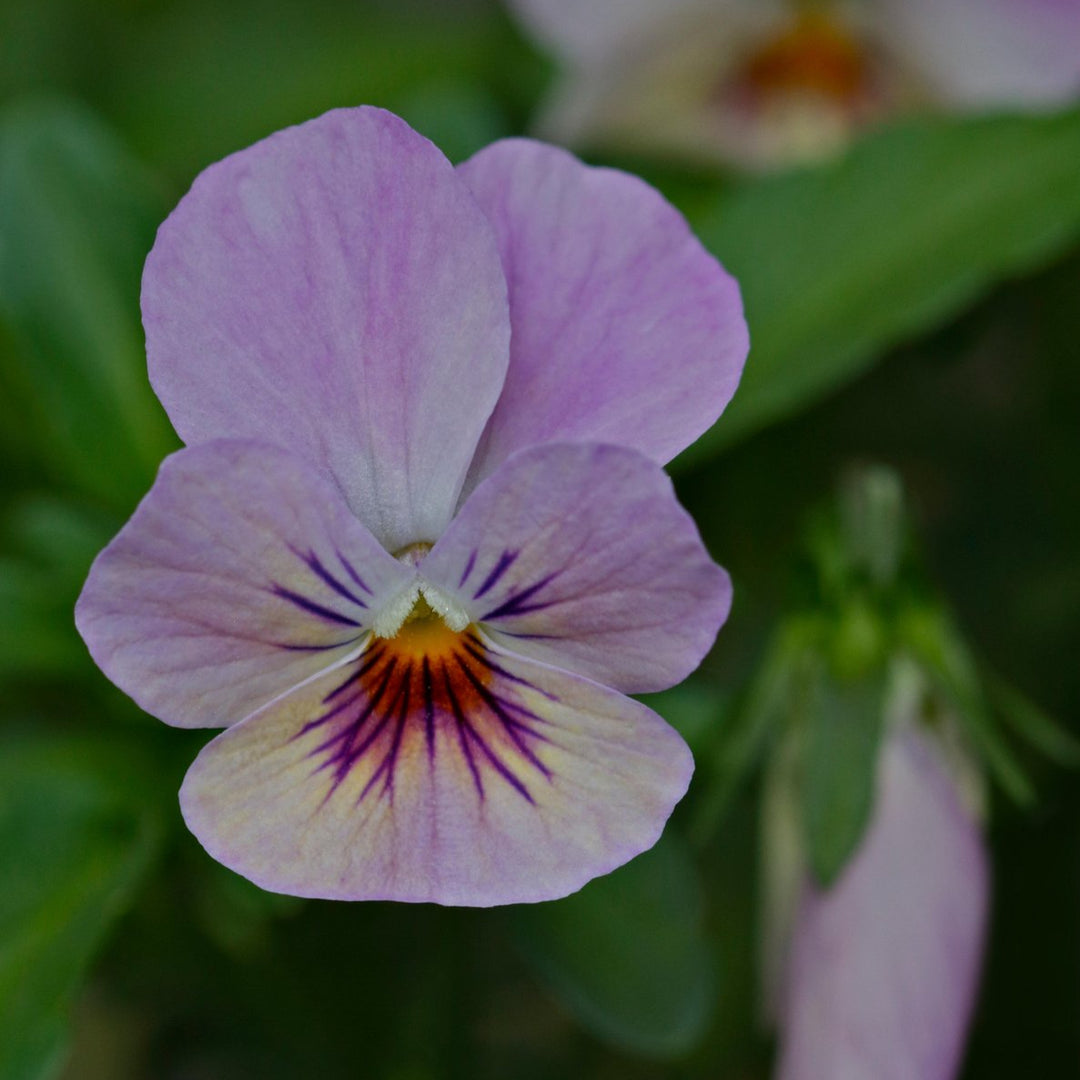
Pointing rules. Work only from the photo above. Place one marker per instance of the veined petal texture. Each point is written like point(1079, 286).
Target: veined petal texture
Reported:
point(336, 290)
point(884, 966)
point(579, 555)
point(241, 574)
point(625, 330)
point(456, 774)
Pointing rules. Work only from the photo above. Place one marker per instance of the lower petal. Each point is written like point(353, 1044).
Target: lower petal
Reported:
point(445, 771)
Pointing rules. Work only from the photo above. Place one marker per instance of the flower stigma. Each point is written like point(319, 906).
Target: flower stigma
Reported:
point(421, 603)
point(813, 55)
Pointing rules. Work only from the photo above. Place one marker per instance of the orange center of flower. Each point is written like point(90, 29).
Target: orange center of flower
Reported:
point(429, 696)
point(814, 55)
point(426, 669)
point(424, 634)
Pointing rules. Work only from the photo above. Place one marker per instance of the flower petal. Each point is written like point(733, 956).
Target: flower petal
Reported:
point(884, 966)
point(241, 574)
point(625, 330)
point(334, 289)
point(588, 30)
point(461, 777)
point(992, 52)
point(579, 555)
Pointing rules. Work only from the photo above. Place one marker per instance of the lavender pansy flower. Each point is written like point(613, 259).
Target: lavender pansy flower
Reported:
point(759, 83)
point(419, 544)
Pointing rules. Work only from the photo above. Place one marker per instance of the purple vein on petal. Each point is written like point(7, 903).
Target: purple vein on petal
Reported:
point(351, 571)
point(518, 603)
point(313, 608)
point(506, 560)
point(513, 728)
point(468, 568)
point(389, 761)
point(397, 702)
point(482, 657)
point(360, 693)
point(429, 710)
point(374, 654)
point(312, 561)
point(463, 732)
point(471, 733)
point(297, 647)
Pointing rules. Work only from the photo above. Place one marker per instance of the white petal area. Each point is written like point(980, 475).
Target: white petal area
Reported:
point(241, 574)
point(580, 556)
point(884, 967)
point(379, 782)
point(588, 30)
point(1007, 53)
point(335, 289)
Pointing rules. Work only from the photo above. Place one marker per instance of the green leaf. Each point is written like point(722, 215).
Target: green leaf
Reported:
point(839, 263)
point(77, 832)
point(627, 954)
point(939, 649)
point(77, 216)
point(1038, 728)
point(695, 709)
point(53, 543)
point(843, 725)
point(245, 73)
point(762, 712)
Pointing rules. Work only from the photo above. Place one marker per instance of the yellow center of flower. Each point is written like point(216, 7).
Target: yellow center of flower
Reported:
point(424, 633)
point(814, 55)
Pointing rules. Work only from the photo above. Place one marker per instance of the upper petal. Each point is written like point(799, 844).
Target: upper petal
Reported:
point(884, 966)
point(461, 777)
point(241, 574)
point(992, 52)
point(580, 556)
point(335, 289)
point(625, 330)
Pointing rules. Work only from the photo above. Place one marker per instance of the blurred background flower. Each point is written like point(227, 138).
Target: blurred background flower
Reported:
point(912, 301)
point(762, 84)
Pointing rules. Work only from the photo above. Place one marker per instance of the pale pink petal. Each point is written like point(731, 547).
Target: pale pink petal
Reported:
point(334, 289)
point(241, 574)
point(464, 777)
point(884, 966)
point(1010, 53)
point(579, 555)
point(625, 330)
point(590, 30)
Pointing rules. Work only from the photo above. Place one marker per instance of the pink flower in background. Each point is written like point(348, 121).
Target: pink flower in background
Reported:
point(876, 977)
point(420, 544)
point(760, 83)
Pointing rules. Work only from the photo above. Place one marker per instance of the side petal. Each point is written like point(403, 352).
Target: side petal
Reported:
point(1011, 53)
point(241, 574)
point(579, 555)
point(466, 777)
point(884, 966)
point(625, 330)
point(335, 289)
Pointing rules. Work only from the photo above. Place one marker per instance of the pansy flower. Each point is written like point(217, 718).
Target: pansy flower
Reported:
point(759, 83)
point(419, 545)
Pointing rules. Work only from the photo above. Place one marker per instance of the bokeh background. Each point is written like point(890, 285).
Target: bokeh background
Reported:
point(916, 303)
